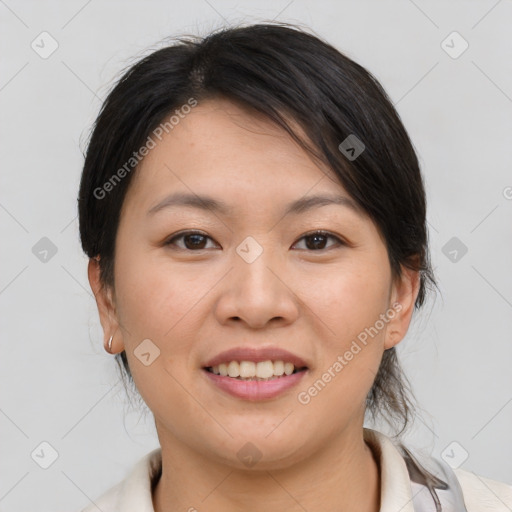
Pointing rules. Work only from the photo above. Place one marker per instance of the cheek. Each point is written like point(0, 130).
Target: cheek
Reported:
point(153, 296)
point(162, 303)
point(155, 304)
point(351, 349)
point(348, 304)
point(348, 298)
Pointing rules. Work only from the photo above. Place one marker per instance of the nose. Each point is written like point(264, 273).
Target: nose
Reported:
point(257, 293)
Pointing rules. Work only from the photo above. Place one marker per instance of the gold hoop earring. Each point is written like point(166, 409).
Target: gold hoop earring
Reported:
point(110, 344)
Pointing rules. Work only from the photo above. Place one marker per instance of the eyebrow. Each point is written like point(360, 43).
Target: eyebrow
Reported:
point(214, 205)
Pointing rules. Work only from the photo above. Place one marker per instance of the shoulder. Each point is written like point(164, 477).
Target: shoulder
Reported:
point(484, 494)
point(456, 489)
point(134, 493)
point(108, 502)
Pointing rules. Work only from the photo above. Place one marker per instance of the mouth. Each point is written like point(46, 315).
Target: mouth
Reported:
point(260, 371)
point(254, 381)
point(255, 373)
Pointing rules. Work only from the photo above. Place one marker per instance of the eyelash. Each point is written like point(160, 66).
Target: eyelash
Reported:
point(327, 234)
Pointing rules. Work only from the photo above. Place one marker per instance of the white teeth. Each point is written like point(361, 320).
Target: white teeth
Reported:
point(278, 368)
point(265, 369)
point(247, 369)
point(250, 369)
point(233, 369)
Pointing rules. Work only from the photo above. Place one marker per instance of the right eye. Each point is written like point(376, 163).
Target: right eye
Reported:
point(192, 240)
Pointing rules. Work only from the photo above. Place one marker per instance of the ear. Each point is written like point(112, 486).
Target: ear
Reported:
point(404, 290)
point(106, 307)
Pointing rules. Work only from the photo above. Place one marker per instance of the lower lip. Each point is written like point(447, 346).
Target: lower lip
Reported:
point(254, 389)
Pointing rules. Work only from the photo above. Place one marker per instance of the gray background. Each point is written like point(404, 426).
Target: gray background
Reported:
point(57, 383)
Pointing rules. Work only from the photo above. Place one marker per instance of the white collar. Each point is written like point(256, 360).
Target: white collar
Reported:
point(134, 493)
point(395, 486)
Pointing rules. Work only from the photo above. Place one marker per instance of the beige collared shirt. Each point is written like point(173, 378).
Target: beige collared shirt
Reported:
point(134, 493)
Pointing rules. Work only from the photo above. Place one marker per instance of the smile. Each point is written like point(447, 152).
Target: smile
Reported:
point(255, 381)
point(250, 370)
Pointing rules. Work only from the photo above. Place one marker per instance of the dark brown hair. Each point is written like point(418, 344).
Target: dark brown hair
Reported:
point(285, 74)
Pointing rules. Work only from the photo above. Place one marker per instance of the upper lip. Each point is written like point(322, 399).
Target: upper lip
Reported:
point(256, 355)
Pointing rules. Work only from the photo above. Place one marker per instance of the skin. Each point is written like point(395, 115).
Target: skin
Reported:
point(194, 303)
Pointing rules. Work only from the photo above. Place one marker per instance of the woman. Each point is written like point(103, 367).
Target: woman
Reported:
point(255, 219)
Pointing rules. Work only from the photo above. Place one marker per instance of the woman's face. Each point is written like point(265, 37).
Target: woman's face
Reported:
point(253, 276)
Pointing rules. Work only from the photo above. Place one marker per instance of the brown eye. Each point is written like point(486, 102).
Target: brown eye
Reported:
point(317, 240)
point(192, 240)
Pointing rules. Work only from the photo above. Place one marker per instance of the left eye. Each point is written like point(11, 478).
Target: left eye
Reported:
point(317, 240)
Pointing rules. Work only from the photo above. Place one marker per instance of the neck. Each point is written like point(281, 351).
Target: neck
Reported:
point(344, 477)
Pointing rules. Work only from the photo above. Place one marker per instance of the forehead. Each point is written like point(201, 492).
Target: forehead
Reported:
point(220, 149)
